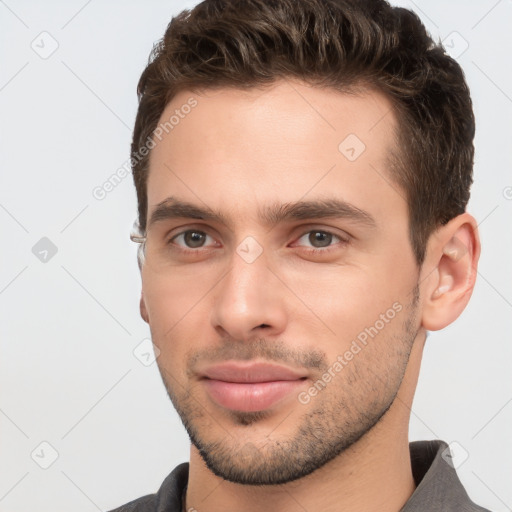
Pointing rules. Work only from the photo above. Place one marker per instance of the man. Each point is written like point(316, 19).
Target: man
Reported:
point(302, 171)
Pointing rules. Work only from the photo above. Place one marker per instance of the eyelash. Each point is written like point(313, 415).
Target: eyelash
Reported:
point(312, 250)
point(342, 241)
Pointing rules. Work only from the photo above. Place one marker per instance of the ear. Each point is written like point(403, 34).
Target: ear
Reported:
point(143, 310)
point(449, 272)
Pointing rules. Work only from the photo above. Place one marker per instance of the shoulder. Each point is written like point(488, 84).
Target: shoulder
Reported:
point(144, 504)
point(168, 497)
point(437, 484)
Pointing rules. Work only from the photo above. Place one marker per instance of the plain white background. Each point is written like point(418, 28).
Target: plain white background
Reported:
point(69, 377)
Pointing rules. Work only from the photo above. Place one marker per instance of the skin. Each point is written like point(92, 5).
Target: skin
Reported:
point(238, 152)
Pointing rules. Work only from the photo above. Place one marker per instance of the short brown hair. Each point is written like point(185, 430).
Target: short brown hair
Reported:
point(340, 44)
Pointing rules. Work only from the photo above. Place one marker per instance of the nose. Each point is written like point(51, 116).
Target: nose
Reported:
point(249, 301)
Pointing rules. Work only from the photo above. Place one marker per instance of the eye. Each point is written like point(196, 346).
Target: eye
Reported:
point(320, 240)
point(191, 239)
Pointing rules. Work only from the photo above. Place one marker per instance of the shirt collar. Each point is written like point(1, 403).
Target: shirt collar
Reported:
point(437, 484)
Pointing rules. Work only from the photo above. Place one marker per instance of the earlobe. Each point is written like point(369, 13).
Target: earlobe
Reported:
point(453, 257)
point(143, 310)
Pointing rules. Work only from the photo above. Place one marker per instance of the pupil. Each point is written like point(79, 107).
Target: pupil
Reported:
point(320, 238)
point(194, 238)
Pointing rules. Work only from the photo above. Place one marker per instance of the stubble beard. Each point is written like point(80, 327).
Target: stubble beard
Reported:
point(345, 411)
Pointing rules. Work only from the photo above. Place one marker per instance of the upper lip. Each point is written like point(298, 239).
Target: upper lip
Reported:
point(250, 372)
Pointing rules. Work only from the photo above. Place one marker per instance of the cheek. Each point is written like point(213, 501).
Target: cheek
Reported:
point(171, 304)
point(179, 309)
point(171, 296)
point(344, 300)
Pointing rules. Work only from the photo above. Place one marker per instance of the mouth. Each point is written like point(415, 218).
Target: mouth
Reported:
point(250, 387)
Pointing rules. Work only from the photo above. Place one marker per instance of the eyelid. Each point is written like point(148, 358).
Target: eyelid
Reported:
point(193, 226)
point(343, 240)
point(171, 237)
point(343, 236)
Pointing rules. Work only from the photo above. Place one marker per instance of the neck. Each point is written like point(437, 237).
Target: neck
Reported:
point(372, 474)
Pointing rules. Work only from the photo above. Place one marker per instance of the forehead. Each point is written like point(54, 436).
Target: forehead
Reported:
point(233, 147)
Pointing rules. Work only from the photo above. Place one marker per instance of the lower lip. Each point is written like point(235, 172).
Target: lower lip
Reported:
point(249, 397)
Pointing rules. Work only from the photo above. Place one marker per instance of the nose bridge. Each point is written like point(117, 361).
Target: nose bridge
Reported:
point(245, 286)
point(247, 299)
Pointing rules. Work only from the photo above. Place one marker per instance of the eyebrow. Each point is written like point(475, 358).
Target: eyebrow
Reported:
point(173, 208)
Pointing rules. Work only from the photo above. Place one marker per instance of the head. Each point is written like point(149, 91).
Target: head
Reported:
point(302, 172)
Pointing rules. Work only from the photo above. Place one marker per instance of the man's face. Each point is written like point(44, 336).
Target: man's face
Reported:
point(284, 330)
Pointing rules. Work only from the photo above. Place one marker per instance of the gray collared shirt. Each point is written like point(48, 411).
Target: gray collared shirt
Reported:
point(438, 487)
